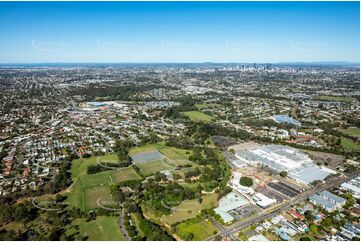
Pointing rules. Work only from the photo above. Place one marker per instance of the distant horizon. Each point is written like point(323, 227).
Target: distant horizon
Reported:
point(179, 32)
point(203, 62)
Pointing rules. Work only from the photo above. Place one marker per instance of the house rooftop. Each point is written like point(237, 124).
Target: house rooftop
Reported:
point(332, 196)
point(320, 200)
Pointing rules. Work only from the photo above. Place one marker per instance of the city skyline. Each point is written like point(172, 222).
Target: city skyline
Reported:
point(179, 32)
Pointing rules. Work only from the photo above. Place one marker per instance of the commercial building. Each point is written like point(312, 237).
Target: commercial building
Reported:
point(353, 186)
point(263, 201)
point(283, 158)
point(228, 203)
point(328, 201)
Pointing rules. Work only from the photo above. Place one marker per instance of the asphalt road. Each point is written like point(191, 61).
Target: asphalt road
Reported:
point(122, 227)
point(229, 231)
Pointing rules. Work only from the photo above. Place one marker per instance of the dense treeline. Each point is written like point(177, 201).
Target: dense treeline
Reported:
point(53, 224)
point(160, 198)
point(267, 123)
point(186, 104)
point(149, 230)
point(210, 129)
point(122, 150)
point(121, 93)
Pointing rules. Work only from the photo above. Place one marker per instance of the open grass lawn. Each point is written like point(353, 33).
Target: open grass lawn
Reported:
point(90, 180)
point(102, 228)
point(79, 166)
point(125, 174)
point(355, 132)
point(336, 98)
point(153, 166)
point(190, 208)
point(347, 144)
point(171, 153)
point(198, 116)
point(144, 148)
point(87, 188)
point(92, 194)
point(200, 228)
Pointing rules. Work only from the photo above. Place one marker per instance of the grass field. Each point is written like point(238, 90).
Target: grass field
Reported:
point(190, 208)
point(153, 166)
point(79, 166)
point(336, 98)
point(171, 153)
point(207, 105)
point(198, 116)
point(125, 174)
point(87, 188)
point(347, 144)
point(355, 132)
point(92, 194)
point(103, 228)
point(200, 228)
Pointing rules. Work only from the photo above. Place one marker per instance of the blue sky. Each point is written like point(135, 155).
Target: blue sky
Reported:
point(34, 32)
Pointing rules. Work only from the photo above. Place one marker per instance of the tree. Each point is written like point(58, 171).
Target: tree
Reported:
point(283, 173)
point(314, 228)
point(309, 216)
point(327, 222)
point(159, 177)
point(246, 181)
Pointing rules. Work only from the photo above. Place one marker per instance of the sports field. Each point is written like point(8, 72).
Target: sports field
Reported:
point(355, 132)
point(190, 208)
point(88, 188)
point(200, 228)
point(171, 153)
point(198, 116)
point(79, 166)
point(153, 166)
point(103, 228)
point(95, 195)
point(123, 174)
